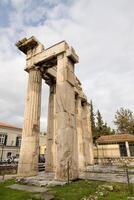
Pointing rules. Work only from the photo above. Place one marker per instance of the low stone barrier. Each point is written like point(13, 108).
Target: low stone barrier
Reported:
point(115, 161)
point(8, 169)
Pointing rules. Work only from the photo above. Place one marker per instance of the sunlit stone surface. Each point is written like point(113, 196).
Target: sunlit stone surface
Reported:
point(69, 138)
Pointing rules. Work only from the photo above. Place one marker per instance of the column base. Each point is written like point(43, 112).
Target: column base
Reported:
point(26, 170)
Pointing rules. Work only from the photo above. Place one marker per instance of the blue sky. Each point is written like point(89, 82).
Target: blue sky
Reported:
point(5, 10)
point(34, 12)
point(102, 33)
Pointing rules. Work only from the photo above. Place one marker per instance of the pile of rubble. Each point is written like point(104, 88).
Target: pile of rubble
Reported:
point(102, 190)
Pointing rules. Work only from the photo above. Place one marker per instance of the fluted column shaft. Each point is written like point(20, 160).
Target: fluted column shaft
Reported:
point(28, 162)
point(80, 135)
point(87, 135)
point(50, 150)
point(91, 153)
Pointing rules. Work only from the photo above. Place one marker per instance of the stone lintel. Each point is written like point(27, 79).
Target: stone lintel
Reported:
point(49, 75)
point(25, 44)
point(83, 97)
point(51, 72)
point(88, 104)
point(77, 88)
point(76, 91)
point(44, 57)
point(50, 53)
point(72, 55)
point(78, 81)
point(48, 63)
point(48, 56)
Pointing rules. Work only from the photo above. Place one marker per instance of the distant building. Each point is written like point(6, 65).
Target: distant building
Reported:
point(10, 141)
point(115, 146)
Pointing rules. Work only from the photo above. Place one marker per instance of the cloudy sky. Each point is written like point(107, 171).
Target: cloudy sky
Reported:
point(102, 33)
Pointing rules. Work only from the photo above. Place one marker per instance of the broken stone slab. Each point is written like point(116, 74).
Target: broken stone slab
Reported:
point(105, 177)
point(56, 183)
point(27, 188)
point(41, 176)
point(106, 187)
point(41, 183)
point(92, 197)
point(46, 183)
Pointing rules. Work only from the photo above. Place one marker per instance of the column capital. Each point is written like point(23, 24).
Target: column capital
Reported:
point(33, 67)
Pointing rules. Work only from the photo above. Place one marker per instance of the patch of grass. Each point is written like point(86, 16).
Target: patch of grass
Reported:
point(10, 194)
point(73, 191)
point(120, 192)
point(84, 188)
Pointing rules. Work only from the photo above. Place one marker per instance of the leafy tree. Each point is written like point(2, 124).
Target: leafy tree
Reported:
point(107, 130)
point(124, 120)
point(99, 122)
point(101, 127)
point(98, 126)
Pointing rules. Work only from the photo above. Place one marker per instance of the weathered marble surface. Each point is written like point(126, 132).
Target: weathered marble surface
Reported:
point(28, 162)
point(69, 137)
point(50, 148)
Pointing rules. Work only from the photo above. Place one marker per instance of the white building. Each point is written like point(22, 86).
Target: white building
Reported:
point(10, 141)
point(114, 148)
point(118, 145)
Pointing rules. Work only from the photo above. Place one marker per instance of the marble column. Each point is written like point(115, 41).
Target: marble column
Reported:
point(127, 148)
point(65, 120)
point(81, 160)
point(28, 162)
point(90, 138)
point(50, 132)
point(87, 134)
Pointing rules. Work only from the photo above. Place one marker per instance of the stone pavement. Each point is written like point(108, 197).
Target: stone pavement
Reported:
point(107, 173)
point(42, 191)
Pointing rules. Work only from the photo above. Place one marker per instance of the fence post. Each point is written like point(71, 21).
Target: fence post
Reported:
point(2, 152)
point(68, 172)
point(128, 179)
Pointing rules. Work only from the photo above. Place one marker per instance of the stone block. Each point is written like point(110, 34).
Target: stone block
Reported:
point(72, 55)
point(65, 98)
point(70, 77)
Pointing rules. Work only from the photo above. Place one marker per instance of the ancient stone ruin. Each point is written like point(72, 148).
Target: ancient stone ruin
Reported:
point(69, 137)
